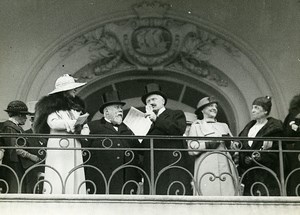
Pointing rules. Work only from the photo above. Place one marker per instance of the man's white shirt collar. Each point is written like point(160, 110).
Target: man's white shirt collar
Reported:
point(160, 111)
point(115, 127)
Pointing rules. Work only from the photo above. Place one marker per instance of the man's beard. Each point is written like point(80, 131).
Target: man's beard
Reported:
point(117, 119)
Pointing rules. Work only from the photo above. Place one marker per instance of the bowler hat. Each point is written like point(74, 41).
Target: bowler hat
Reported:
point(203, 103)
point(65, 83)
point(151, 89)
point(110, 98)
point(17, 107)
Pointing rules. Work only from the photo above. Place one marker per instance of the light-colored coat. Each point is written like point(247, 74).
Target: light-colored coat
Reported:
point(63, 161)
point(215, 173)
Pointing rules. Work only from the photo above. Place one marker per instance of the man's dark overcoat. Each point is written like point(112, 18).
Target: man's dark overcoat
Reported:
point(169, 122)
point(108, 160)
point(292, 161)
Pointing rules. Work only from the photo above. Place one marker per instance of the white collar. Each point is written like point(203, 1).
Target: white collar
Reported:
point(160, 111)
point(13, 120)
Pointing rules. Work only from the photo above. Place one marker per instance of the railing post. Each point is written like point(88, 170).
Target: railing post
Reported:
point(281, 168)
point(152, 167)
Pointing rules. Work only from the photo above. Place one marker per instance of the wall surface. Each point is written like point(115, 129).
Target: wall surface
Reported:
point(31, 29)
point(148, 205)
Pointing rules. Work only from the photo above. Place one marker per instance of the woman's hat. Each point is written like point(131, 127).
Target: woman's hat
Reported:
point(203, 103)
point(17, 107)
point(151, 89)
point(65, 83)
point(110, 98)
point(265, 102)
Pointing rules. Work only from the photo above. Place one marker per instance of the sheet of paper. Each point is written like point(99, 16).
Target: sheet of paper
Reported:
point(82, 119)
point(137, 122)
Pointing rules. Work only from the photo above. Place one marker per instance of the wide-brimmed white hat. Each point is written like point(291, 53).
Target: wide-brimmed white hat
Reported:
point(65, 83)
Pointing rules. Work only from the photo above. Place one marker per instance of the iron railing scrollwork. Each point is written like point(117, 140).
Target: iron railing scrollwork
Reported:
point(103, 181)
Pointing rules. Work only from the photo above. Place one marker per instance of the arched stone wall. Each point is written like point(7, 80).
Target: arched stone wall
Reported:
point(154, 41)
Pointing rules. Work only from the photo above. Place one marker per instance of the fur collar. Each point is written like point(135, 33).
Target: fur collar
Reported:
point(273, 128)
point(50, 104)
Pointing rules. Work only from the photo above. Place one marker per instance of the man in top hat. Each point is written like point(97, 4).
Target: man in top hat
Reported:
point(165, 122)
point(107, 160)
point(15, 158)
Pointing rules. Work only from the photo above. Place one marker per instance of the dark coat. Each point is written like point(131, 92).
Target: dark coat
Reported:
point(10, 156)
point(292, 161)
point(169, 122)
point(273, 128)
point(32, 176)
point(109, 160)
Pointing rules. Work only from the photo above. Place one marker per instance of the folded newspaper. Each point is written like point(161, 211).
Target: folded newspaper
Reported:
point(137, 122)
point(82, 119)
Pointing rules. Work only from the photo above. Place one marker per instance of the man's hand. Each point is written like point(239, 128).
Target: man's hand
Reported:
point(149, 113)
point(294, 127)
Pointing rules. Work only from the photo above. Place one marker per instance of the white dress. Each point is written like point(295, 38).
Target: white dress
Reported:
point(61, 177)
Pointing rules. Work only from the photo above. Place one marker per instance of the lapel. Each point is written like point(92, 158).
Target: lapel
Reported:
point(161, 116)
point(108, 126)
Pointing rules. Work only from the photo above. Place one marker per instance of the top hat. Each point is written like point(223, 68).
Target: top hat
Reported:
point(151, 89)
point(264, 102)
point(110, 98)
point(65, 83)
point(17, 107)
point(204, 102)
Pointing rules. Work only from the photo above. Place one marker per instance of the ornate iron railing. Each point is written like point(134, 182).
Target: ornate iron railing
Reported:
point(107, 168)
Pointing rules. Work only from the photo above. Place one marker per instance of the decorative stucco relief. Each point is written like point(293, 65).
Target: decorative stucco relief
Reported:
point(150, 41)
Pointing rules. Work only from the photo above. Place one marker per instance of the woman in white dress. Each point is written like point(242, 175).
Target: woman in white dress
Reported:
point(56, 114)
point(215, 173)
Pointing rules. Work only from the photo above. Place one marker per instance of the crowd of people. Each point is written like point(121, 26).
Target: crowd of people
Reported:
point(125, 166)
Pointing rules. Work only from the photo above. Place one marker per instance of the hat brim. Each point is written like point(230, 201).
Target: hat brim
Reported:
point(110, 103)
point(66, 88)
point(144, 97)
point(199, 109)
point(21, 112)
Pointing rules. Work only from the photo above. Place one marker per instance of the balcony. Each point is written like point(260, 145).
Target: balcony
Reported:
point(146, 191)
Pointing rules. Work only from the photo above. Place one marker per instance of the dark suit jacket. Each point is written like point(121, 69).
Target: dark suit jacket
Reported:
point(292, 159)
point(107, 160)
point(169, 122)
